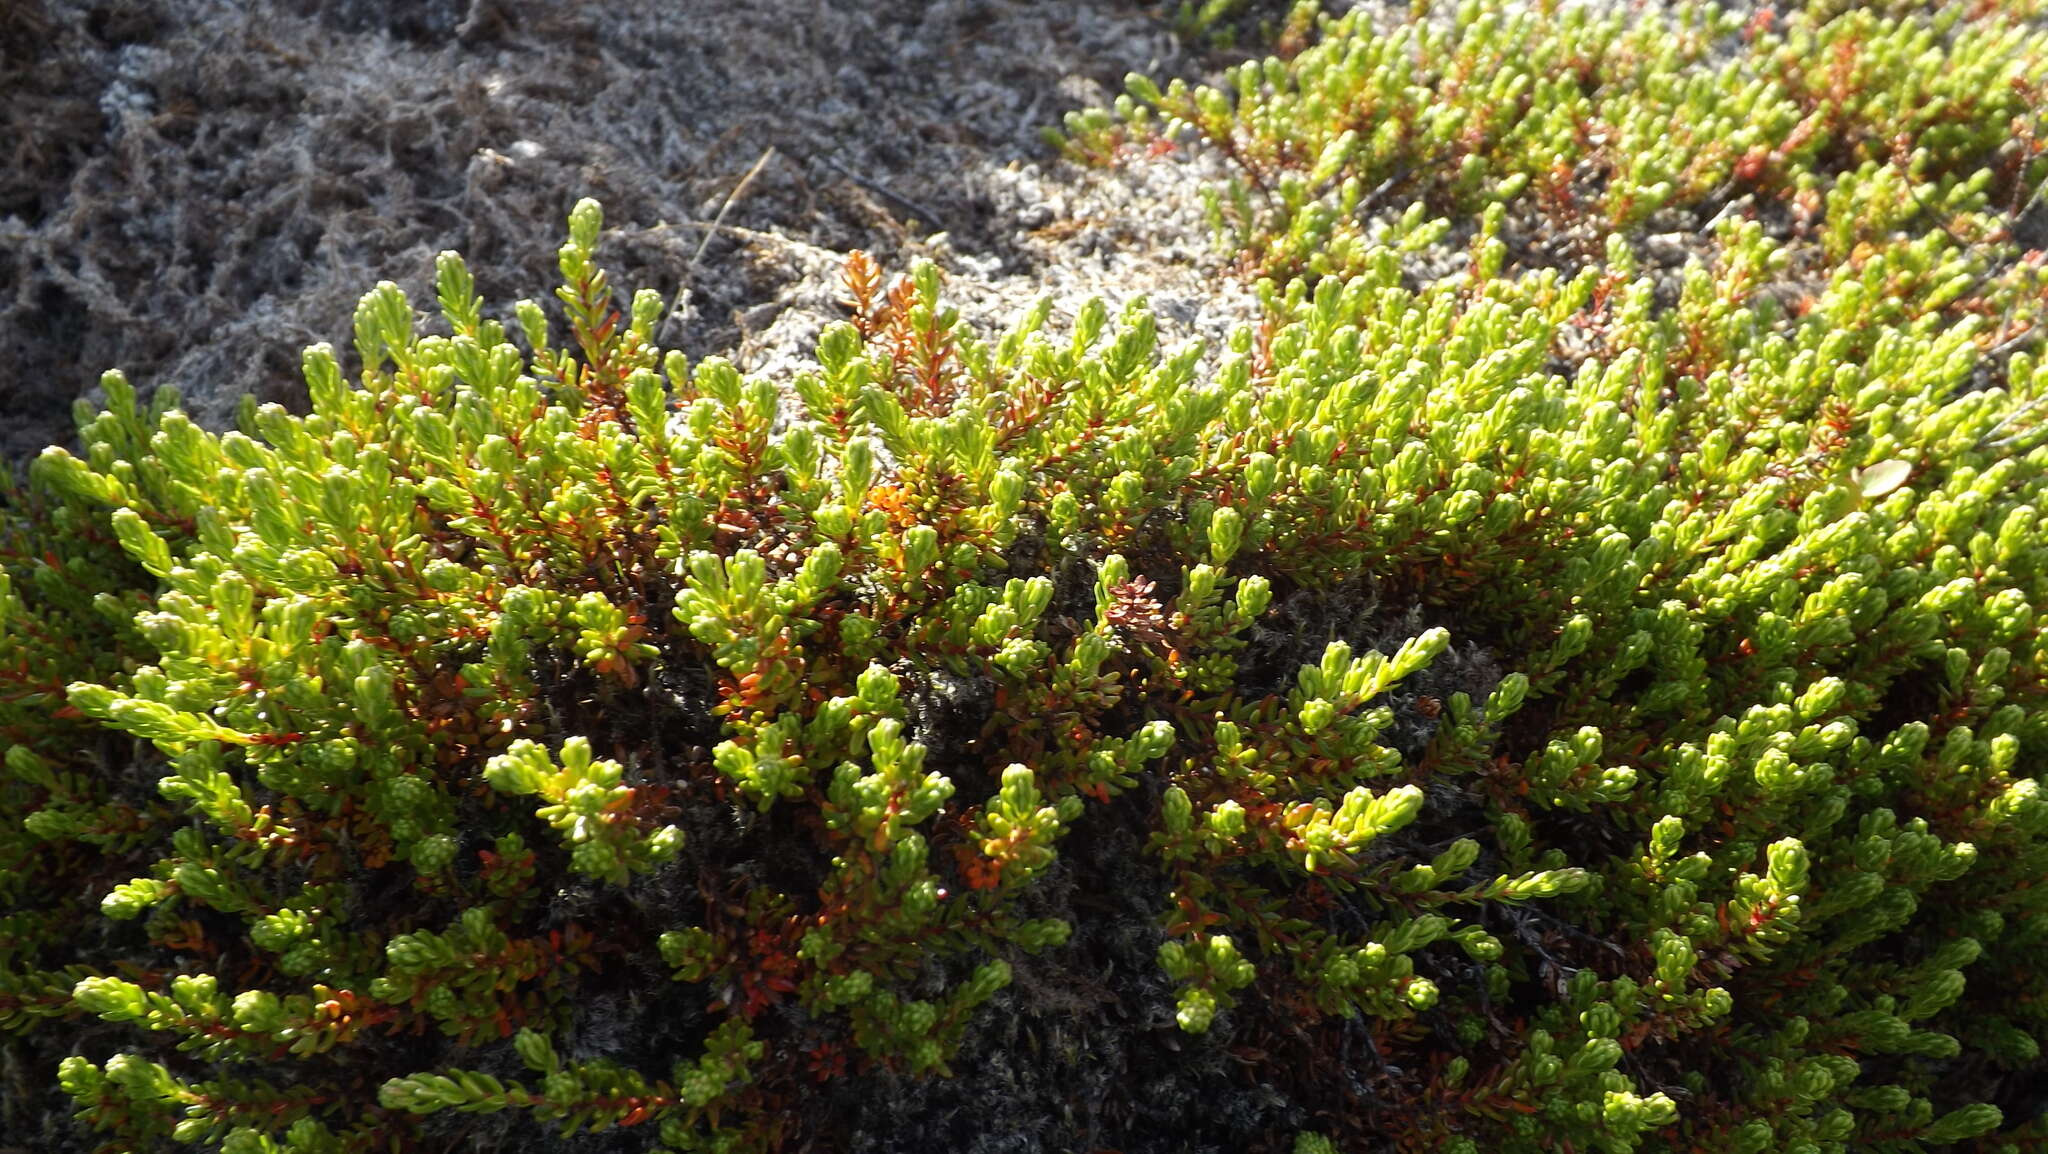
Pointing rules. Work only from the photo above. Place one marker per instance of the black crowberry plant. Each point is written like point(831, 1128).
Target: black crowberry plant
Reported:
point(1541, 706)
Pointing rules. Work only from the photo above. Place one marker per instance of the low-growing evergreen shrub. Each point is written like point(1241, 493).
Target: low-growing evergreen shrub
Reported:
point(1510, 712)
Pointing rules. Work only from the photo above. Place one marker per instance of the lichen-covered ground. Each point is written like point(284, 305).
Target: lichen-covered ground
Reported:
point(192, 190)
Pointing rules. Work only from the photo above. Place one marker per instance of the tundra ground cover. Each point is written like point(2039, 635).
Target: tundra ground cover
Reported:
point(1538, 690)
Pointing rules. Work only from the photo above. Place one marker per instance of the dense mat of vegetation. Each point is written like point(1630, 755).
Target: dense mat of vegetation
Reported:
point(1549, 687)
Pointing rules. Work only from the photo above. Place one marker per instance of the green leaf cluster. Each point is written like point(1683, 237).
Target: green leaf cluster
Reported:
point(1622, 696)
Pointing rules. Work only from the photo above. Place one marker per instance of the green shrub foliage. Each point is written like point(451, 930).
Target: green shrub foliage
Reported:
point(1529, 711)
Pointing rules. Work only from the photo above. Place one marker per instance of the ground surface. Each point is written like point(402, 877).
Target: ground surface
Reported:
point(193, 190)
